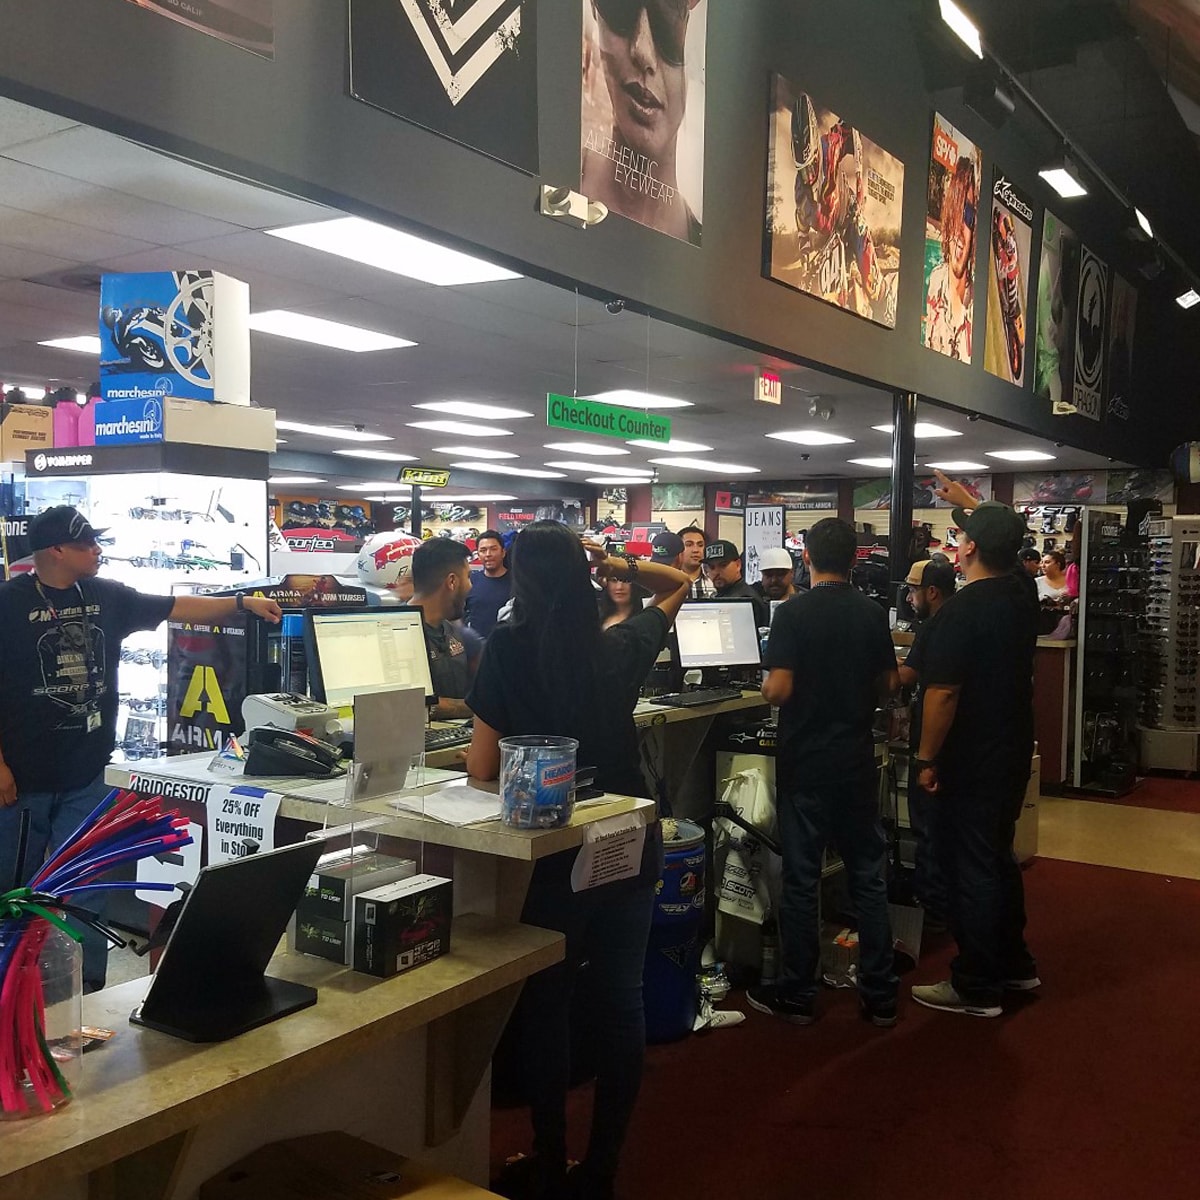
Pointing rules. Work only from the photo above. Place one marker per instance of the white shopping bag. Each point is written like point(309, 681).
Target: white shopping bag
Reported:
point(751, 871)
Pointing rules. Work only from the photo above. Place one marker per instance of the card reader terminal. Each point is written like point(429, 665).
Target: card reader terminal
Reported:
point(287, 710)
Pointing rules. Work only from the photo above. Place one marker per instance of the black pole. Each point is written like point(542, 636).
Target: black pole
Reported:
point(904, 452)
point(416, 510)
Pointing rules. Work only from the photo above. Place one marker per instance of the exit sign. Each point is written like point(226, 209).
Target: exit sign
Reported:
point(768, 388)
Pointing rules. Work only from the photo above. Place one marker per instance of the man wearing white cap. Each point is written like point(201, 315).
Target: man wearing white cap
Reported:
point(778, 574)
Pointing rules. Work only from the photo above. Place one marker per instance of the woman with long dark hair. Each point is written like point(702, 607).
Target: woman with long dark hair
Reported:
point(619, 600)
point(551, 669)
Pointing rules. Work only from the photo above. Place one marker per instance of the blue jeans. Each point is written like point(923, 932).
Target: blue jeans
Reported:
point(54, 817)
point(608, 928)
point(928, 884)
point(974, 830)
point(846, 815)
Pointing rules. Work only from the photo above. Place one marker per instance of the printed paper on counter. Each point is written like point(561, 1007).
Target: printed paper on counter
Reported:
point(238, 815)
point(612, 850)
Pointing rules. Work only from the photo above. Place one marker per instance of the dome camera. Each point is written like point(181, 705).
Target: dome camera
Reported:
point(972, 416)
point(359, 427)
point(615, 306)
point(805, 457)
point(1059, 445)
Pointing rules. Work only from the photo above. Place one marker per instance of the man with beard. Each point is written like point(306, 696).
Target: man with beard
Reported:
point(778, 575)
point(441, 583)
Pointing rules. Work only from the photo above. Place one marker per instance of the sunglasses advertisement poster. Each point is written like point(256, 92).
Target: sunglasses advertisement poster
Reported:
point(1122, 325)
point(1010, 238)
point(464, 69)
point(1090, 336)
point(1057, 300)
point(320, 525)
point(642, 118)
point(249, 24)
point(834, 208)
point(951, 218)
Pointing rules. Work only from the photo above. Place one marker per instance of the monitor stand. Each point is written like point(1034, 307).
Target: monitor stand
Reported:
point(222, 1012)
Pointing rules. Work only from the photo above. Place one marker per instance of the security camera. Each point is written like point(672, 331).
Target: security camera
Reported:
point(359, 428)
point(1059, 445)
point(615, 306)
point(805, 457)
point(972, 416)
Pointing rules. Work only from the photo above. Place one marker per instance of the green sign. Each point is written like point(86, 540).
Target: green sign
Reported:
point(424, 476)
point(605, 420)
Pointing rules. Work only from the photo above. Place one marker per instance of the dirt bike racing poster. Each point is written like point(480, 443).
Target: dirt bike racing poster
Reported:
point(1010, 241)
point(834, 208)
point(951, 226)
point(249, 24)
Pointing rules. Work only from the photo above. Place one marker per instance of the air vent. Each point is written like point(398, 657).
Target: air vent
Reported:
point(76, 279)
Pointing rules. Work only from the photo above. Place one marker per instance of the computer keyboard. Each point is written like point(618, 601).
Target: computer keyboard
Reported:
point(698, 697)
point(447, 736)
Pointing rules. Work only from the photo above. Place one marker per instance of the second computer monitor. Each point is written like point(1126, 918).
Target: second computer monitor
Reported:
point(717, 633)
point(368, 650)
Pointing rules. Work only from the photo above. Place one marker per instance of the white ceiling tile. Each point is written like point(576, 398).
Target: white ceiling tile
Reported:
point(54, 302)
point(20, 123)
point(34, 231)
point(16, 263)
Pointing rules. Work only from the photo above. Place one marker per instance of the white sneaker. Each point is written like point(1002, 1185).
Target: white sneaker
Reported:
point(943, 996)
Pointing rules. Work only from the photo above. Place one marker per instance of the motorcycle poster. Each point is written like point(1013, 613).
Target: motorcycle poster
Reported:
point(1010, 241)
point(1090, 336)
point(249, 24)
point(1057, 301)
point(1060, 487)
point(834, 208)
point(951, 227)
point(876, 494)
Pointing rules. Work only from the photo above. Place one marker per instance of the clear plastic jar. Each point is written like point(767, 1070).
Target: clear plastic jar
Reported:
point(48, 963)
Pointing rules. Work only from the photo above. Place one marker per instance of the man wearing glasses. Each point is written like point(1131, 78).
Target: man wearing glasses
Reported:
point(950, 299)
point(61, 630)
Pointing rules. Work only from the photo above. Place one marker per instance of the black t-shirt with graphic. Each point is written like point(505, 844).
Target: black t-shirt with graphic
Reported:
point(58, 667)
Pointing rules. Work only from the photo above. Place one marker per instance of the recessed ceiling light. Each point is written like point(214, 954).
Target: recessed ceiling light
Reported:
point(388, 249)
point(924, 429)
point(963, 26)
point(377, 455)
point(86, 344)
point(883, 464)
point(810, 437)
point(600, 468)
point(1020, 455)
point(296, 479)
point(319, 332)
point(1189, 298)
point(674, 446)
point(704, 464)
point(626, 398)
point(376, 485)
point(586, 448)
point(613, 480)
point(460, 428)
point(459, 451)
point(957, 466)
point(339, 432)
point(503, 469)
point(482, 412)
point(482, 498)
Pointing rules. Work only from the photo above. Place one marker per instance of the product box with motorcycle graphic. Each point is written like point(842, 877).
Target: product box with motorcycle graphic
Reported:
point(175, 333)
point(402, 925)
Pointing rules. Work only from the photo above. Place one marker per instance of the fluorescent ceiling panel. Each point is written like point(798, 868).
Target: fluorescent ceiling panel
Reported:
point(674, 446)
point(626, 398)
point(338, 432)
point(296, 479)
point(482, 412)
point(703, 464)
point(503, 469)
point(600, 468)
point(460, 451)
point(957, 466)
point(460, 428)
point(85, 344)
point(1020, 455)
point(810, 437)
point(377, 455)
point(586, 448)
point(882, 464)
point(924, 429)
point(319, 332)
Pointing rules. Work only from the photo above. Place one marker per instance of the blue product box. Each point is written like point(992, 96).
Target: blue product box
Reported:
point(125, 422)
point(174, 333)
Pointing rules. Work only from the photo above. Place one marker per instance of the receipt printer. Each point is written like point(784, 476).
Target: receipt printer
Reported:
point(287, 710)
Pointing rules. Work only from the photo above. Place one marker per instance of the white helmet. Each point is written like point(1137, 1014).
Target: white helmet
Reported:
point(386, 558)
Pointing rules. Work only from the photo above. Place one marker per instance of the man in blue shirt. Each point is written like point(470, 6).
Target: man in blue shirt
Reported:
point(490, 587)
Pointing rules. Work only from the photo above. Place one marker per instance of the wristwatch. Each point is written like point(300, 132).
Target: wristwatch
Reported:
point(919, 764)
point(241, 602)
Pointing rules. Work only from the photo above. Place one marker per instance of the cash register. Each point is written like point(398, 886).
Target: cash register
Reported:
point(718, 639)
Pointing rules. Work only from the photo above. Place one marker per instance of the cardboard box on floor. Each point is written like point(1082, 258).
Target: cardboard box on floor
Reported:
point(334, 1166)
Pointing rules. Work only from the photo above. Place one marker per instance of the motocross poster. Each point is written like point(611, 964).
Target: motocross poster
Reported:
point(463, 69)
point(1057, 300)
point(877, 493)
point(1060, 487)
point(249, 24)
point(951, 223)
point(1122, 323)
point(834, 208)
point(642, 129)
point(1090, 333)
point(1010, 242)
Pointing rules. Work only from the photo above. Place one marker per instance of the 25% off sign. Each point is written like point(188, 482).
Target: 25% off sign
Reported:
point(240, 821)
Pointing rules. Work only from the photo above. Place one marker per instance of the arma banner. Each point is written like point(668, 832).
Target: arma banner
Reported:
point(834, 207)
point(1090, 336)
point(249, 24)
point(951, 226)
point(1057, 300)
point(465, 69)
point(1010, 239)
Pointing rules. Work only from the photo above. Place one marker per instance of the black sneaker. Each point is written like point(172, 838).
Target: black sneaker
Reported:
point(881, 1013)
point(770, 1000)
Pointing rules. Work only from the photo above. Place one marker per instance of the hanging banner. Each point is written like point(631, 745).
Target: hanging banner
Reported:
point(1089, 336)
point(249, 24)
point(877, 493)
point(677, 497)
point(1060, 487)
point(834, 208)
point(465, 69)
point(642, 131)
point(1011, 242)
point(1122, 324)
point(763, 530)
point(206, 683)
point(811, 495)
point(1057, 298)
point(951, 220)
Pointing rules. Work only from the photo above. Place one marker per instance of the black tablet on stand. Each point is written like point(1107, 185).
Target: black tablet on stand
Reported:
point(210, 983)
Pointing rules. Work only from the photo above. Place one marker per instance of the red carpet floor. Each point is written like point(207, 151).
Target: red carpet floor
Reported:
point(1172, 793)
point(1088, 1090)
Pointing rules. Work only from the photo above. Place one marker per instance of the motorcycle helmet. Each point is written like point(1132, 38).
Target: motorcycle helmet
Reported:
point(386, 559)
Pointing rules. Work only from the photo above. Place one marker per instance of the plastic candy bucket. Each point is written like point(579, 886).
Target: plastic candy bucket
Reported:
point(673, 952)
point(537, 781)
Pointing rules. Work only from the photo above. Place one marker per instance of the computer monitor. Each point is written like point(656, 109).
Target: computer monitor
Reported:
point(365, 650)
point(717, 633)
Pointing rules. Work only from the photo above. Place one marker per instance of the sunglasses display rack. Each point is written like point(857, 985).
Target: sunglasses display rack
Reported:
point(1170, 642)
point(1106, 692)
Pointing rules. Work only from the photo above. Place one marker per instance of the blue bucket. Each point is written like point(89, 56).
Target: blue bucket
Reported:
point(673, 952)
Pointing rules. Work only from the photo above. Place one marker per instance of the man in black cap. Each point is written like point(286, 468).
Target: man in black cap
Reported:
point(667, 548)
point(61, 630)
point(976, 746)
point(724, 562)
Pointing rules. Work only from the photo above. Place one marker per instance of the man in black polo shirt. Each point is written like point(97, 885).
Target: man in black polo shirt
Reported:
point(724, 562)
point(976, 746)
point(830, 663)
point(441, 584)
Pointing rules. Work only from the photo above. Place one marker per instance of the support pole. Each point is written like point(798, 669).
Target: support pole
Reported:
point(904, 451)
point(416, 510)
